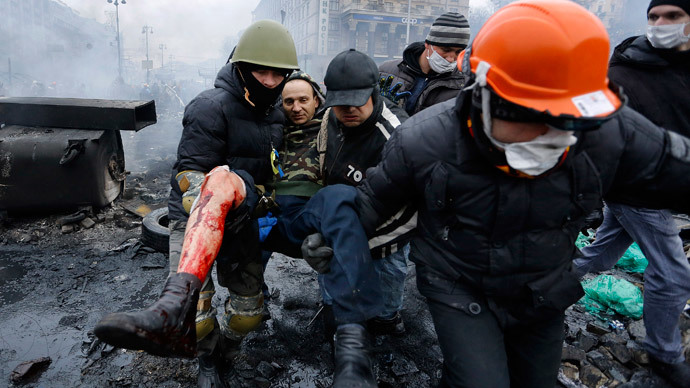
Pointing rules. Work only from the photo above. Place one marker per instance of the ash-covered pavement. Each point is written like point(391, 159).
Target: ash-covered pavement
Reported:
point(55, 286)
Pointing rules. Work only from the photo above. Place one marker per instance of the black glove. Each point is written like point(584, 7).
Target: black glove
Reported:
point(391, 92)
point(593, 221)
point(316, 253)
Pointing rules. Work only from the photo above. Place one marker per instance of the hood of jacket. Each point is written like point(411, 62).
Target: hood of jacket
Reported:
point(411, 58)
point(637, 51)
point(228, 79)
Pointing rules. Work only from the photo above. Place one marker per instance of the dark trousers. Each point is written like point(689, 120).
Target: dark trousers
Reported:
point(481, 352)
point(352, 281)
point(238, 263)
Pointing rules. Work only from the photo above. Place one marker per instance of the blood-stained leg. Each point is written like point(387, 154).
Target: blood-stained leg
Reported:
point(221, 192)
point(167, 328)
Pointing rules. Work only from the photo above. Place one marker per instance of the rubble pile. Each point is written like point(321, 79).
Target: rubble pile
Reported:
point(607, 350)
point(104, 267)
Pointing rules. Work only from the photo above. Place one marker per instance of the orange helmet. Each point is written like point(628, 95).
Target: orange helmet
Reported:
point(549, 56)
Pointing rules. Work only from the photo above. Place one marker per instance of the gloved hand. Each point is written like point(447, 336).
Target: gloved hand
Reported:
point(316, 253)
point(265, 225)
point(593, 221)
point(391, 92)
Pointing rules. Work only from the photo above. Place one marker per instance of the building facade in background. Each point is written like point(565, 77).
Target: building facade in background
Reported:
point(45, 40)
point(323, 28)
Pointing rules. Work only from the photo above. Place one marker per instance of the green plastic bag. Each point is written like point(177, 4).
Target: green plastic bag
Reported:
point(633, 260)
point(582, 241)
point(612, 293)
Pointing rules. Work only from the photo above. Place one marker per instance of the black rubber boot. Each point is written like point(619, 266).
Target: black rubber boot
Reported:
point(166, 328)
point(353, 367)
point(212, 368)
point(228, 348)
point(677, 374)
point(328, 321)
point(392, 326)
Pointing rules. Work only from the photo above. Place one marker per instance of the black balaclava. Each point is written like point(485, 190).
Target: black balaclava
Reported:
point(257, 94)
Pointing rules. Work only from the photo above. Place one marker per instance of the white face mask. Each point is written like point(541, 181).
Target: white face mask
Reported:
point(538, 155)
point(438, 63)
point(667, 36)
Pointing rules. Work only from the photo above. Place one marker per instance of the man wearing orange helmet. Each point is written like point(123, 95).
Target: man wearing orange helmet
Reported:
point(654, 71)
point(503, 178)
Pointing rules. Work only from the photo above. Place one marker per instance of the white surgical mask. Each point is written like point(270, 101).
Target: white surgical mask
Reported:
point(667, 36)
point(438, 63)
point(538, 155)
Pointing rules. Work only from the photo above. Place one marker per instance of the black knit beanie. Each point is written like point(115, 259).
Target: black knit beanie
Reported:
point(684, 4)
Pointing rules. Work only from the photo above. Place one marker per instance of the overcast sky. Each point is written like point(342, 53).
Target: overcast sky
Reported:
point(192, 30)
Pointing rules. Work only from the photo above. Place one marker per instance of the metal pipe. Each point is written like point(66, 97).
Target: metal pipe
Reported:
point(119, 55)
point(407, 38)
point(146, 30)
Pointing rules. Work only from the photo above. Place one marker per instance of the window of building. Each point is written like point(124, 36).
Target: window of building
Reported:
point(361, 41)
point(333, 25)
point(333, 5)
point(333, 44)
point(453, 10)
point(381, 43)
point(420, 7)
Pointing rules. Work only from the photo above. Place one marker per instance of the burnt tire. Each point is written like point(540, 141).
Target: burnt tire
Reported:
point(154, 230)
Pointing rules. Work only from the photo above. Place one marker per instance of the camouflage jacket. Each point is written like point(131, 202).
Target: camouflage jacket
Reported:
point(300, 159)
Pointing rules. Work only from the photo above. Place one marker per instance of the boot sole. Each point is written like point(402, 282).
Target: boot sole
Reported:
point(127, 336)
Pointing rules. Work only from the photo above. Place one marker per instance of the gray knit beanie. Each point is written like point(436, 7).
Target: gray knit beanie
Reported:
point(450, 30)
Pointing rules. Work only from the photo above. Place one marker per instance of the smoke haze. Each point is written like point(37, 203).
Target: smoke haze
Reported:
point(192, 30)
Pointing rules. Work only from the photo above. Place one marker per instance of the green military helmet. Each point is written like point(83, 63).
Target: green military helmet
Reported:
point(267, 43)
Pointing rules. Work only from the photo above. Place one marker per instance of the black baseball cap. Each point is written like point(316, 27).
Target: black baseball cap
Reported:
point(350, 79)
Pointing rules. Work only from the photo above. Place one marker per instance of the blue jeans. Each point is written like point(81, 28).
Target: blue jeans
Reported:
point(352, 281)
point(392, 271)
point(667, 278)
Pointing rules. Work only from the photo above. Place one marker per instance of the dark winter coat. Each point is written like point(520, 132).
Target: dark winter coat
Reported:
point(507, 238)
point(221, 128)
point(438, 88)
point(301, 159)
point(351, 151)
point(656, 81)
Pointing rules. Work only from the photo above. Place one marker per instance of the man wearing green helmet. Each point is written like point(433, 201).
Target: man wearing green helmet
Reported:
point(235, 124)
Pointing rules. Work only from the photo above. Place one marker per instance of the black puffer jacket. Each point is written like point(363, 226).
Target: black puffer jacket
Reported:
point(351, 151)
point(220, 127)
point(656, 81)
point(439, 87)
point(511, 238)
